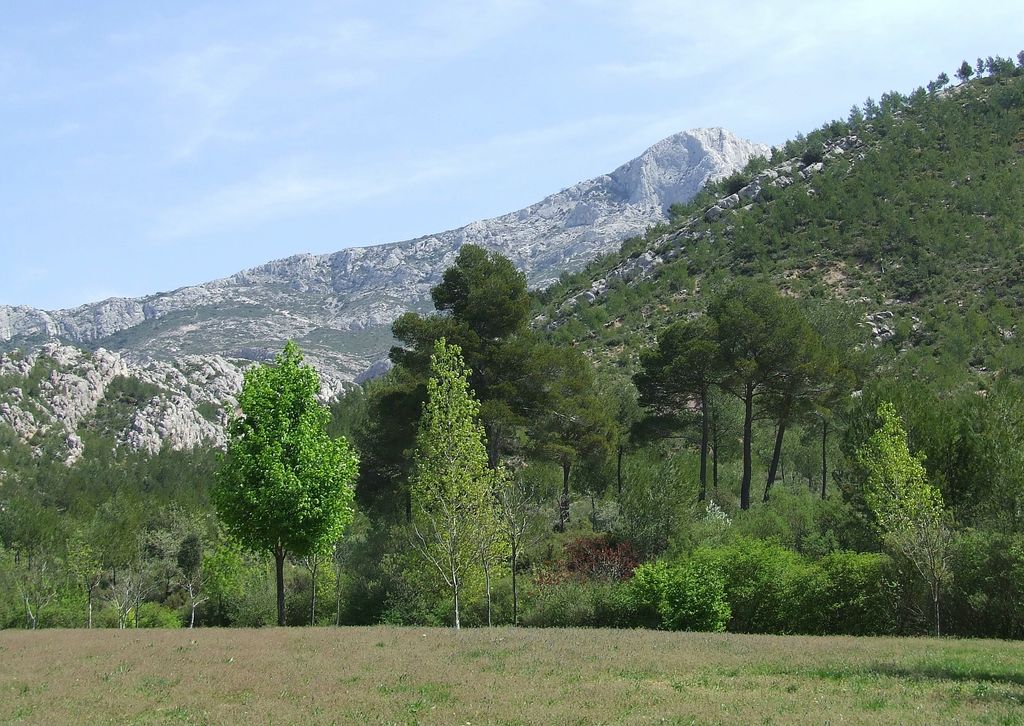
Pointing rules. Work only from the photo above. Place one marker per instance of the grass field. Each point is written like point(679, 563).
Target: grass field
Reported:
point(423, 675)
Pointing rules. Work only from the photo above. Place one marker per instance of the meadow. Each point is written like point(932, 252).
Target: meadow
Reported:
point(501, 675)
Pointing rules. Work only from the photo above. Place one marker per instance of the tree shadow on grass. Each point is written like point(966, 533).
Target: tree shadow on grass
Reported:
point(982, 685)
point(947, 672)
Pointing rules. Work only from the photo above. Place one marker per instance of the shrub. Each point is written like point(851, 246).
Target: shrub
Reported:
point(694, 598)
point(557, 605)
point(756, 576)
point(68, 610)
point(849, 593)
point(155, 615)
point(684, 596)
point(812, 155)
point(648, 586)
point(988, 585)
point(734, 182)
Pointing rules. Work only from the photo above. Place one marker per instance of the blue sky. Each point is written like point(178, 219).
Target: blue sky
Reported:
point(146, 146)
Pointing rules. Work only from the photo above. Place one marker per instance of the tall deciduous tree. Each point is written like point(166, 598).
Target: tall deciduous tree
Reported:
point(909, 511)
point(452, 485)
point(516, 510)
point(285, 486)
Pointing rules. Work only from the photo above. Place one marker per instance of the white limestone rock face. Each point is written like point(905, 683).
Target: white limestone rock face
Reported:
point(339, 307)
point(173, 421)
point(50, 395)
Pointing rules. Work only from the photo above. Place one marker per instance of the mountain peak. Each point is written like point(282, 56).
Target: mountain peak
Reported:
point(674, 169)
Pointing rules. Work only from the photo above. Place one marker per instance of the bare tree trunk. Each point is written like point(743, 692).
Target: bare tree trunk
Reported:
point(455, 592)
point(748, 434)
point(31, 619)
point(705, 423)
point(776, 457)
point(563, 502)
point(515, 591)
point(824, 456)
point(935, 599)
point(279, 569)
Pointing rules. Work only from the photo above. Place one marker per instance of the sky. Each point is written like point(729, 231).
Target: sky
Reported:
point(148, 146)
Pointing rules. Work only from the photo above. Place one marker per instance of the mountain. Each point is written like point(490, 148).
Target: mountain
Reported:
point(339, 307)
point(163, 369)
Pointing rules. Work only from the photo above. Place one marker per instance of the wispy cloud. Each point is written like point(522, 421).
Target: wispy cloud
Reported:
point(300, 187)
point(280, 193)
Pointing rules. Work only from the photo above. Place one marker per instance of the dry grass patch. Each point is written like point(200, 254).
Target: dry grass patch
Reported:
point(423, 675)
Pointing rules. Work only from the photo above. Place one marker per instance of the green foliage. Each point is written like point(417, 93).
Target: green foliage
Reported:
point(682, 596)
point(452, 486)
point(756, 575)
point(155, 615)
point(985, 600)
point(844, 592)
point(285, 484)
point(908, 509)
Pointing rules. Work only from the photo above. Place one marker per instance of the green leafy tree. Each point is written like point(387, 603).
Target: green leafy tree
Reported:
point(285, 486)
point(621, 398)
point(224, 576)
point(84, 565)
point(452, 485)
point(484, 306)
point(908, 510)
point(517, 508)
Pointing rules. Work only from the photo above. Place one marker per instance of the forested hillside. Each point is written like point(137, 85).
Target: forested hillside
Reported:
point(796, 408)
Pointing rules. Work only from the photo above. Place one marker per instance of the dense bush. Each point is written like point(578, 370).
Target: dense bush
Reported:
point(756, 576)
point(852, 593)
point(987, 592)
point(155, 615)
point(682, 596)
point(597, 558)
point(760, 587)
